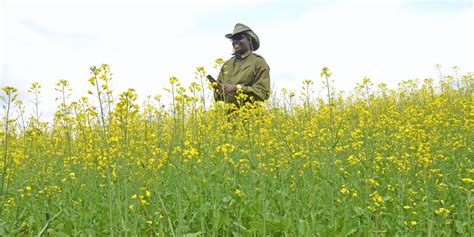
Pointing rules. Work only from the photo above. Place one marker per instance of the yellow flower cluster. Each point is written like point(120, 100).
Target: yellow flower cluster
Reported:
point(373, 161)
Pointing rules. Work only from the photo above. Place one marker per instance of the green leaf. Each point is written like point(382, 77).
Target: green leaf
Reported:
point(3, 228)
point(302, 228)
point(348, 230)
point(60, 234)
point(193, 234)
point(222, 219)
point(216, 222)
point(459, 227)
point(256, 226)
point(240, 226)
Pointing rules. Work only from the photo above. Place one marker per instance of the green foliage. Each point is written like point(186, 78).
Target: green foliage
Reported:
point(376, 162)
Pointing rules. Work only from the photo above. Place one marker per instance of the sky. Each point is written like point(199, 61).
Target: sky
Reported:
point(145, 42)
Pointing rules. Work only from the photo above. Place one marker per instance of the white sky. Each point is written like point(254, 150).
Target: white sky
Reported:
point(146, 42)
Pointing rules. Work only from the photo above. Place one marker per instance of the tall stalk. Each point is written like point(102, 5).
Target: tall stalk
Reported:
point(326, 74)
point(62, 86)
point(36, 90)
point(11, 95)
point(200, 74)
point(99, 80)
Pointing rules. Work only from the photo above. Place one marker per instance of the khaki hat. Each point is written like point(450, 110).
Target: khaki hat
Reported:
point(241, 28)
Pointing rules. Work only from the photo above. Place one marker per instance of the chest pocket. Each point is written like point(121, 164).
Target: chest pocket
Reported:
point(246, 75)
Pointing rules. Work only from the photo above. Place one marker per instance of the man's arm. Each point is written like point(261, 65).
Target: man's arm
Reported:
point(260, 89)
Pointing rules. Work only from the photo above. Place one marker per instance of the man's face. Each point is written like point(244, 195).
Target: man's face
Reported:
point(241, 43)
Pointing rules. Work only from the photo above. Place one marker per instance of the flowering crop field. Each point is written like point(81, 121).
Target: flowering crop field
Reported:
point(373, 162)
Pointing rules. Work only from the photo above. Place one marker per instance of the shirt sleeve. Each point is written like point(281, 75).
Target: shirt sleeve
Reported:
point(260, 89)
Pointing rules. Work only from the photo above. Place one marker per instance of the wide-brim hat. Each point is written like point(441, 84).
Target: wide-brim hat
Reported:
point(241, 28)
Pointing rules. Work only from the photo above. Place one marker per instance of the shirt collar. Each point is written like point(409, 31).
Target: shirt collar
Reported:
point(246, 54)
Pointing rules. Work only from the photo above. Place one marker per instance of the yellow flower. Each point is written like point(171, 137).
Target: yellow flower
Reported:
point(114, 138)
point(468, 180)
point(344, 190)
point(374, 182)
point(376, 198)
point(442, 211)
point(173, 80)
point(190, 153)
point(239, 193)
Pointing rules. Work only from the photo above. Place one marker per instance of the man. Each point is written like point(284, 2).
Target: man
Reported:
point(246, 71)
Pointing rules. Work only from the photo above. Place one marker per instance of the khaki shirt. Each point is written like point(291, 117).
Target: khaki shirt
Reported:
point(248, 70)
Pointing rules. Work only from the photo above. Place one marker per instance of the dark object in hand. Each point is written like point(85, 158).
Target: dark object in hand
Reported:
point(211, 79)
point(213, 82)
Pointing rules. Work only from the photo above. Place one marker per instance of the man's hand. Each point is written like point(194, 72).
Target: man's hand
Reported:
point(229, 88)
